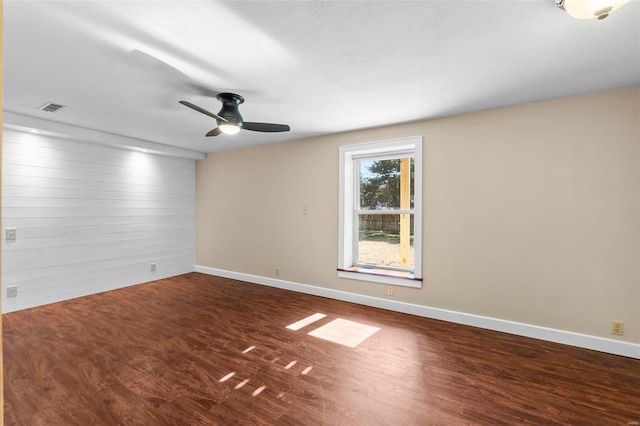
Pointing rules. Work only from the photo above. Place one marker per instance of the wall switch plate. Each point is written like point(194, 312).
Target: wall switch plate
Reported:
point(12, 291)
point(11, 234)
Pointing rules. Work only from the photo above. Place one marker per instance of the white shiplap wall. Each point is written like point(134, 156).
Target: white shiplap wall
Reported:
point(91, 218)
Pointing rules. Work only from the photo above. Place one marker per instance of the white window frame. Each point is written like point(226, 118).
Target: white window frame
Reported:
point(349, 155)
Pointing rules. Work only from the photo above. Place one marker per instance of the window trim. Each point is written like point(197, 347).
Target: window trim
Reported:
point(347, 209)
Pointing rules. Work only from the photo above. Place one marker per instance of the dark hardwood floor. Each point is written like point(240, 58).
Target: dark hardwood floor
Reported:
point(164, 353)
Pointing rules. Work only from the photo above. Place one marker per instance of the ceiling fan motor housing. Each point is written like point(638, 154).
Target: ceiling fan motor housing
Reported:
point(229, 111)
point(229, 119)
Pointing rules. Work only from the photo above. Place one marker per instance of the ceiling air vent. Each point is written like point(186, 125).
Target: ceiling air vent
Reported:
point(51, 107)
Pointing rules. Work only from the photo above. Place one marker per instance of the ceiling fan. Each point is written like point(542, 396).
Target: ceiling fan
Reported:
point(229, 119)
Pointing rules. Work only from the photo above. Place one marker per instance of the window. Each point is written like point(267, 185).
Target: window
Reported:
point(380, 212)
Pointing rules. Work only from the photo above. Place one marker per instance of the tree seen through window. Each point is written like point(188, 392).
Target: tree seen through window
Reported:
point(385, 219)
point(380, 184)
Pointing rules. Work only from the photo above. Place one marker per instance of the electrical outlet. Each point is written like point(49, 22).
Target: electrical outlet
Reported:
point(277, 272)
point(617, 328)
point(12, 291)
point(389, 291)
point(11, 234)
point(152, 267)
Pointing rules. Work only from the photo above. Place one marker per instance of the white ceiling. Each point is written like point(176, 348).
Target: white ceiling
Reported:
point(320, 66)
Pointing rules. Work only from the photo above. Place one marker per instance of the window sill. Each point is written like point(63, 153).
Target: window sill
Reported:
point(383, 276)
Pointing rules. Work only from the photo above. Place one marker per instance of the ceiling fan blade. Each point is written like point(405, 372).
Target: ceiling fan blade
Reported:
point(214, 132)
point(203, 111)
point(265, 127)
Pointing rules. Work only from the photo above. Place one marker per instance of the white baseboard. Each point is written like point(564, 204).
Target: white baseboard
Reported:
point(628, 349)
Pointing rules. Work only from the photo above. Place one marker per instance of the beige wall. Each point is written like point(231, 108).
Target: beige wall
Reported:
point(531, 212)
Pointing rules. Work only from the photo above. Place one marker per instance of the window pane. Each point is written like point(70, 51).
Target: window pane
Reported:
point(380, 240)
point(380, 184)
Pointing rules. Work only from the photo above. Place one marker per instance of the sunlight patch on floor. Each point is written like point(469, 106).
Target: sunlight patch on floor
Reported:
point(257, 391)
point(241, 384)
point(291, 364)
point(344, 332)
point(304, 322)
point(227, 377)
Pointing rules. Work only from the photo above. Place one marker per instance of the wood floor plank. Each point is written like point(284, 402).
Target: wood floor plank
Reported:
point(197, 349)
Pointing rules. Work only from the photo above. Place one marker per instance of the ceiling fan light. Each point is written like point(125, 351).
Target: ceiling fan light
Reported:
point(229, 129)
point(590, 9)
